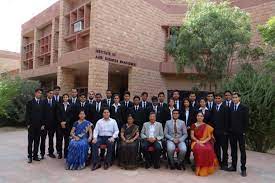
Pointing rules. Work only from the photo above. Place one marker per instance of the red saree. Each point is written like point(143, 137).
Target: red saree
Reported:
point(205, 158)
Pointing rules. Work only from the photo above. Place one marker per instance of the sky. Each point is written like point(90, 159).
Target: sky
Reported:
point(13, 13)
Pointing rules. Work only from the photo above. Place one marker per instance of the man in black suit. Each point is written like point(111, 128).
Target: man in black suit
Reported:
point(74, 97)
point(35, 123)
point(81, 105)
point(239, 118)
point(193, 101)
point(163, 108)
point(146, 105)
point(96, 109)
point(176, 97)
point(49, 111)
point(65, 123)
point(91, 97)
point(109, 99)
point(219, 119)
point(210, 104)
point(57, 98)
point(138, 113)
point(126, 104)
point(228, 99)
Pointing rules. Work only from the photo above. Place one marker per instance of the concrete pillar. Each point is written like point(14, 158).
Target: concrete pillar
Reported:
point(65, 79)
point(98, 76)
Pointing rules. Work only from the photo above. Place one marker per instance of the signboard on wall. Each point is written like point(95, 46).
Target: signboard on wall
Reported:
point(112, 58)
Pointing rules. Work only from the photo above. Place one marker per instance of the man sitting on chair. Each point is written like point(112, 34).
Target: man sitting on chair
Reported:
point(105, 133)
point(175, 132)
point(152, 134)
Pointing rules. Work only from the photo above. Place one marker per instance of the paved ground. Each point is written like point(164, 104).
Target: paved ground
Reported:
point(14, 168)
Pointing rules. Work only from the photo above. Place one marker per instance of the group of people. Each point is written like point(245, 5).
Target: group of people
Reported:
point(138, 130)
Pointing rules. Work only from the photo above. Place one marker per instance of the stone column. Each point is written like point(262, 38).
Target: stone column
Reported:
point(98, 76)
point(65, 79)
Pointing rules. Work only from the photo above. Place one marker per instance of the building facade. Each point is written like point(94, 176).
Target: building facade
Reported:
point(115, 44)
point(9, 63)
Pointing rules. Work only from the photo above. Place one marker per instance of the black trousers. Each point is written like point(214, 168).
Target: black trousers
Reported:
point(155, 155)
point(63, 134)
point(33, 141)
point(221, 144)
point(234, 140)
point(50, 132)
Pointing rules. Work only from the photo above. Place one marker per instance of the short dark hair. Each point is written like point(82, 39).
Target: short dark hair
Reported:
point(218, 95)
point(136, 97)
point(109, 90)
point(227, 91)
point(170, 99)
point(192, 93)
point(65, 94)
point(202, 99)
point(176, 110)
point(82, 94)
point(38, 89)
point(56, 87)
point(176, 91)
point(237, 93)
point(106, 108)
point(161, 93)
point(127, 93)
point(116, 95)
point(144, 93)
point(98, 94)
point(154, 98)
point(130, 115)
point(210, 93)
point(49, 90)
point(81, 110)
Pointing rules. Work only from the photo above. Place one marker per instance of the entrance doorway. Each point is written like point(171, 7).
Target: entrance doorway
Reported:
point(118, 79)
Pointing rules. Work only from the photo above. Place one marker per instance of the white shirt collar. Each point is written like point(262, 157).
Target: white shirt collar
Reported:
point(203, 108)
point(116, 105)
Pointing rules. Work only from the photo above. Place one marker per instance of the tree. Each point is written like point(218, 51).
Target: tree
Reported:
point(209, 37)
point(267, 31)
point(258, 93)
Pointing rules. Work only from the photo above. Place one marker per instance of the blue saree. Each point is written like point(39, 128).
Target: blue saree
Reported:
point(78, 150)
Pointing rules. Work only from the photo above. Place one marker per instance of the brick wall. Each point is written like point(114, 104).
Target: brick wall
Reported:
point(145, 80)
point(98, 76)
point(65, 79)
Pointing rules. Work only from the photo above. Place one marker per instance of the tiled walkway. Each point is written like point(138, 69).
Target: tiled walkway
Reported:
point(14, 168)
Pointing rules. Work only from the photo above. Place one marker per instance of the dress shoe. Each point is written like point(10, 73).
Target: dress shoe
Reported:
point(36, 159)
point(172, 167)
point(29, 160)
point(231, 169)
point(42, 157)
point(96, 166)
point(52, 156)
point(243, 173)
point(156, 166)
point(187, 161)
point(106, 166)
point(147, 165)
point(59, 156)
point(178, 166)
point(224, 167)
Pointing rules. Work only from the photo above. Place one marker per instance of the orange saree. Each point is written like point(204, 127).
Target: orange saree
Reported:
point(205, 158)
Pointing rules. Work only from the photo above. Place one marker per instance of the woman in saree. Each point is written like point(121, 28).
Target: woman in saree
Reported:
point(203, 147)
point(129, 144)
point(81, 135)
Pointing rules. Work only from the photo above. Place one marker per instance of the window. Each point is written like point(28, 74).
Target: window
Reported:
point(78, 26)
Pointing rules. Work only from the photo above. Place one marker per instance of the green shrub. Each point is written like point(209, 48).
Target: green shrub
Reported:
point(258, 93)
point(18, 93)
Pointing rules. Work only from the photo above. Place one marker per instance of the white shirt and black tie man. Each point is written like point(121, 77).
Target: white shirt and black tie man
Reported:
point(109, 99)
point(238, 124)
point(35, 123)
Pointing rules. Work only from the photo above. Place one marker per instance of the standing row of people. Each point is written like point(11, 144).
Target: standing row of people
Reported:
point(156, 127)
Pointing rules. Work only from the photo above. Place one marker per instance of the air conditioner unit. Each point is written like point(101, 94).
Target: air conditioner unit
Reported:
point(78, 26)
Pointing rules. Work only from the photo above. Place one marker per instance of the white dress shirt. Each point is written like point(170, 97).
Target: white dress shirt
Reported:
point(177, 102)
point(152, 130)
point(106, 127)
point(116, 106)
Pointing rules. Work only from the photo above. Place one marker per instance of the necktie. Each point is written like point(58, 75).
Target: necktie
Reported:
point(210, 105)
point(82, 104)
point(50, 102)
point(97, 107)
point(217, 108)
point(127, 104)
point(227, 103)
point(160, 104)
point(235, 107)
point(175, 128)
point(155, 109)
point(136, 108)
point(38, 101)
point(116, 108)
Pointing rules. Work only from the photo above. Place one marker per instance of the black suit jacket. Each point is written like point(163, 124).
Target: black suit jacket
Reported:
point(60, 99)
point(77, 108)
point(160, 115)
point(66, 116)
point(239, 119)
point(126, 109)
point(118, 115)
point(195, 107)
point(34, 114)
point(220, 119)
point(191, 118)
point(138, 115)
point(105, 102)
point(147, 109)
point(71, 101)
point(50, 112)
point(93, 114)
